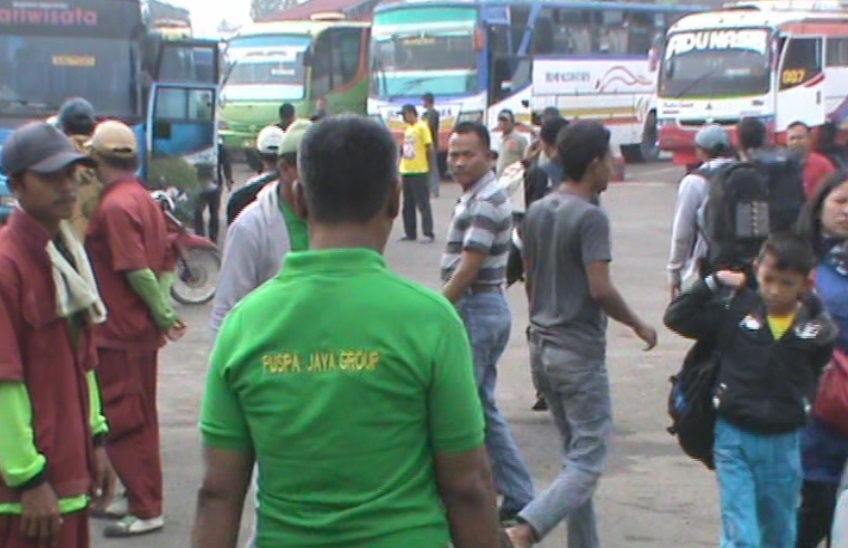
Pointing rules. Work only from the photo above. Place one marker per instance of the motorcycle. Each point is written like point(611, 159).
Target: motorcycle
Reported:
point(197, 258)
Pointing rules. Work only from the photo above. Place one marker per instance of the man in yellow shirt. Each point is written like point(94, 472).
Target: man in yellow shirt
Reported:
point(415, 170)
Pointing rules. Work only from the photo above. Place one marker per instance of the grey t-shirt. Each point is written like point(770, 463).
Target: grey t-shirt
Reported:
point(562, 234)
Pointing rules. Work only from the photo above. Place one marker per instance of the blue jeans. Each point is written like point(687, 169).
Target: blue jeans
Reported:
point(578, 395)
point(488, 320)
point(759, 479)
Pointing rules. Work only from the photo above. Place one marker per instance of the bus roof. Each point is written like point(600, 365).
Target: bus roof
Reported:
point(311, 28)
point(580, 4)
point(754, 14)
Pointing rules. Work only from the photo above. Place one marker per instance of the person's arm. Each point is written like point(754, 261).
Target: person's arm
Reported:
point(457, 433)
point(21, 464)
point(478, 242)
point(97, 419)
point(596, 255)
point(103, 475)
point(684, 230)
point(696, 313)
point(228, 454)
point(239, 273)
point(146, 285)
point(226, 165)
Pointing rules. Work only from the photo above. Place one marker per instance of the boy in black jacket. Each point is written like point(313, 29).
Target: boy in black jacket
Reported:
point(773, 343)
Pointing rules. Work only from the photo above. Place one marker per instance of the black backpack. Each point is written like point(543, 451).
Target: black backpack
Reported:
point(747, 201)
point(690, 402)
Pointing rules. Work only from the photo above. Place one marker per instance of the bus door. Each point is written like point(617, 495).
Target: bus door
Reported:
point(510, 72)
point(800, 82)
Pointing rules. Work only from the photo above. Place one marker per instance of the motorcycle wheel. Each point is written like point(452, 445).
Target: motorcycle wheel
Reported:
point(197, 276)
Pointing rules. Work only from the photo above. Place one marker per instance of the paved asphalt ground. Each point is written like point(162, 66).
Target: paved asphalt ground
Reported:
point(651, 496)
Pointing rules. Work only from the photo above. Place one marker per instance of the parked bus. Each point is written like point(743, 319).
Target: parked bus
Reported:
point(109, 52)
point(589, 59)
point(295, 62)
point(779, 61)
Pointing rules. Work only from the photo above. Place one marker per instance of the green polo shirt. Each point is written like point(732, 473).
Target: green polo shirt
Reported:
point(298, 231)
point(345, 379)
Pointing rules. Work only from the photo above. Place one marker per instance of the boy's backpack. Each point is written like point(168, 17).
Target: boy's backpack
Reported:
point(690, 402)
point(747, 201)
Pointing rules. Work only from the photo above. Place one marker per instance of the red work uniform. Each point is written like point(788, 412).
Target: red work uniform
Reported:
point(37, 348)
point(816, 168)
point(126, 233)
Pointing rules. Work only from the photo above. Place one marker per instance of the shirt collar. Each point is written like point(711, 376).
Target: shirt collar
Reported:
point(481, 183)
point(349, 259)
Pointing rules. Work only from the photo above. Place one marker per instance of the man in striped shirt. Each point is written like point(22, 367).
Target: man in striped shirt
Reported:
point(474, 274)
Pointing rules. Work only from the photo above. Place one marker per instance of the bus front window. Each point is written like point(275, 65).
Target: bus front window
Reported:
point(424, 50)
point(266, 68)
point(716, 63)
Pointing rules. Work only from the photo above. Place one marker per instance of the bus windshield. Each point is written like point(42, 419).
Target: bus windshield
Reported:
point(716, 63)
point(420, 50)
point(266, 68)
point(85, 48)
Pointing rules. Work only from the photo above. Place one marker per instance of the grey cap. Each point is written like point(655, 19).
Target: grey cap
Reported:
point(39, 147)
point(77, 114)
point(712, 138)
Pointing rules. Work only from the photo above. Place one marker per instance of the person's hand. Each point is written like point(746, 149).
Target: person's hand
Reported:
point(176, 331)
point(230, 184)
point(731, 279)
point(647, 334)
point(40, 518)
point(521, 536)
point(104, 480)
point(674, 290)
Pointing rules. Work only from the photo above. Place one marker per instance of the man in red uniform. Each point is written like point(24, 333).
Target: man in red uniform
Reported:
point(52, 458)
point(128, 245)
point(816, 166)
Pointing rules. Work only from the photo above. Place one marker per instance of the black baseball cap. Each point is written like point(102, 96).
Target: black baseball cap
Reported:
point(40, 147)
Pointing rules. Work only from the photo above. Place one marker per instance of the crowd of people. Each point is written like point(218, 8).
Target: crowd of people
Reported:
point(397, 416)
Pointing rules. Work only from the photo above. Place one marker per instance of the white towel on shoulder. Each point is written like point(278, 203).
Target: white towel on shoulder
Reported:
point(76, 288)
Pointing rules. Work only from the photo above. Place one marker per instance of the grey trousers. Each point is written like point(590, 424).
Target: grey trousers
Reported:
point(578, 395)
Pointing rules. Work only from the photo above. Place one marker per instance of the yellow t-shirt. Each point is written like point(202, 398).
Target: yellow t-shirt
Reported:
point(414, 158)
point(779, 325)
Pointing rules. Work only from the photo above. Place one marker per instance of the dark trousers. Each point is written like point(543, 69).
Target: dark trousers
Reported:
point(815, 518)
point(128, 382)
point(416, 195)
point(210, 199)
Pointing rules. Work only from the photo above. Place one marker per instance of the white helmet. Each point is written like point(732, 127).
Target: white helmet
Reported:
point(269, 140)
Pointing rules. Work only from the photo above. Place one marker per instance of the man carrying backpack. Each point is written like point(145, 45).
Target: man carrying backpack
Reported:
point(762, 193)
point(688, 242)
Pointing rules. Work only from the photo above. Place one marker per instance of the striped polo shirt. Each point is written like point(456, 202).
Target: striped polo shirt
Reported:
point(482, 221)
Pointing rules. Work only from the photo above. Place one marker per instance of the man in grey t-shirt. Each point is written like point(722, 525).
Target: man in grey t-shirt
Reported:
point(567, 255)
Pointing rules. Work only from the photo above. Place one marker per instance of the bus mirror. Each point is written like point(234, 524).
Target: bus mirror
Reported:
point(525, 103)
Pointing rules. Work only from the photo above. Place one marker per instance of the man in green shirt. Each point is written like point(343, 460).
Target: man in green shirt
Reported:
point(352, 388)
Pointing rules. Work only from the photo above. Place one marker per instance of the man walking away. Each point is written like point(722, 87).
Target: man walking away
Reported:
point(474, 275)
point(52, 428)
point(567, 255)
point(415, 169)
point(268, 146)
point(513, 145)
point(366, 428)
point(263, 234)
point(431, 116)
point(689, 246)
point(210, 197)
point(816, 166)
point(76, 120)
point(128, 245)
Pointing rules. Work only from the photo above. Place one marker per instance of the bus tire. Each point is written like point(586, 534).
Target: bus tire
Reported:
point(646, 151)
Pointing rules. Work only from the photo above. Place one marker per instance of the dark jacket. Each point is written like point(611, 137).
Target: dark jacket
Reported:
point(764, 386)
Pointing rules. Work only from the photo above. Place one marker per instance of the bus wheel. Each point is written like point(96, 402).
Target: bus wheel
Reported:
point(648, 150)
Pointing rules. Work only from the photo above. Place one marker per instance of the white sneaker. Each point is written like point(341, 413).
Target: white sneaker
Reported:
point(118, 508)
point(131, 526)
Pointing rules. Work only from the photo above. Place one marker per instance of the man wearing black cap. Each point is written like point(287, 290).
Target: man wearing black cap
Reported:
point(51, 452)
point(513, 144)
point(76, 119)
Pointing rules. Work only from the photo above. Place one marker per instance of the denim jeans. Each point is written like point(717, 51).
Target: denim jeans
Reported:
point(759, 479)
point(578, 395)
point(488, 320)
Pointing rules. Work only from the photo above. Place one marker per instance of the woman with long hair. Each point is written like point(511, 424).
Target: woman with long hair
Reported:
point(824, 449)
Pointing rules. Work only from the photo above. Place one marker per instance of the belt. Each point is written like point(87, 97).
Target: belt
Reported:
point(485, 288)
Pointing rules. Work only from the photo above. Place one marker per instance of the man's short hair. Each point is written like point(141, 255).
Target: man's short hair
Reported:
point(551, 113)
point(579, 144)
point(409, 109)
point(428, 97)
point(348, 167)
point(551, 129)
point(791, 252)
point(286, 111)
point(478, 129)
point(798, 123)
point(752, 133)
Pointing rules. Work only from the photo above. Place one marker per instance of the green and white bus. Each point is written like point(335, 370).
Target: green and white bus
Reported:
point(295, 62)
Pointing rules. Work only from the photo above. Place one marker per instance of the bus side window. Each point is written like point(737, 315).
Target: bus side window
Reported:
point(837, 51)
point(322, 69)
point(802, 61)
point(640, 32)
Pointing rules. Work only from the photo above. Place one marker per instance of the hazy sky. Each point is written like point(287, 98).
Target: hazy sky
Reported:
point(207, 14)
